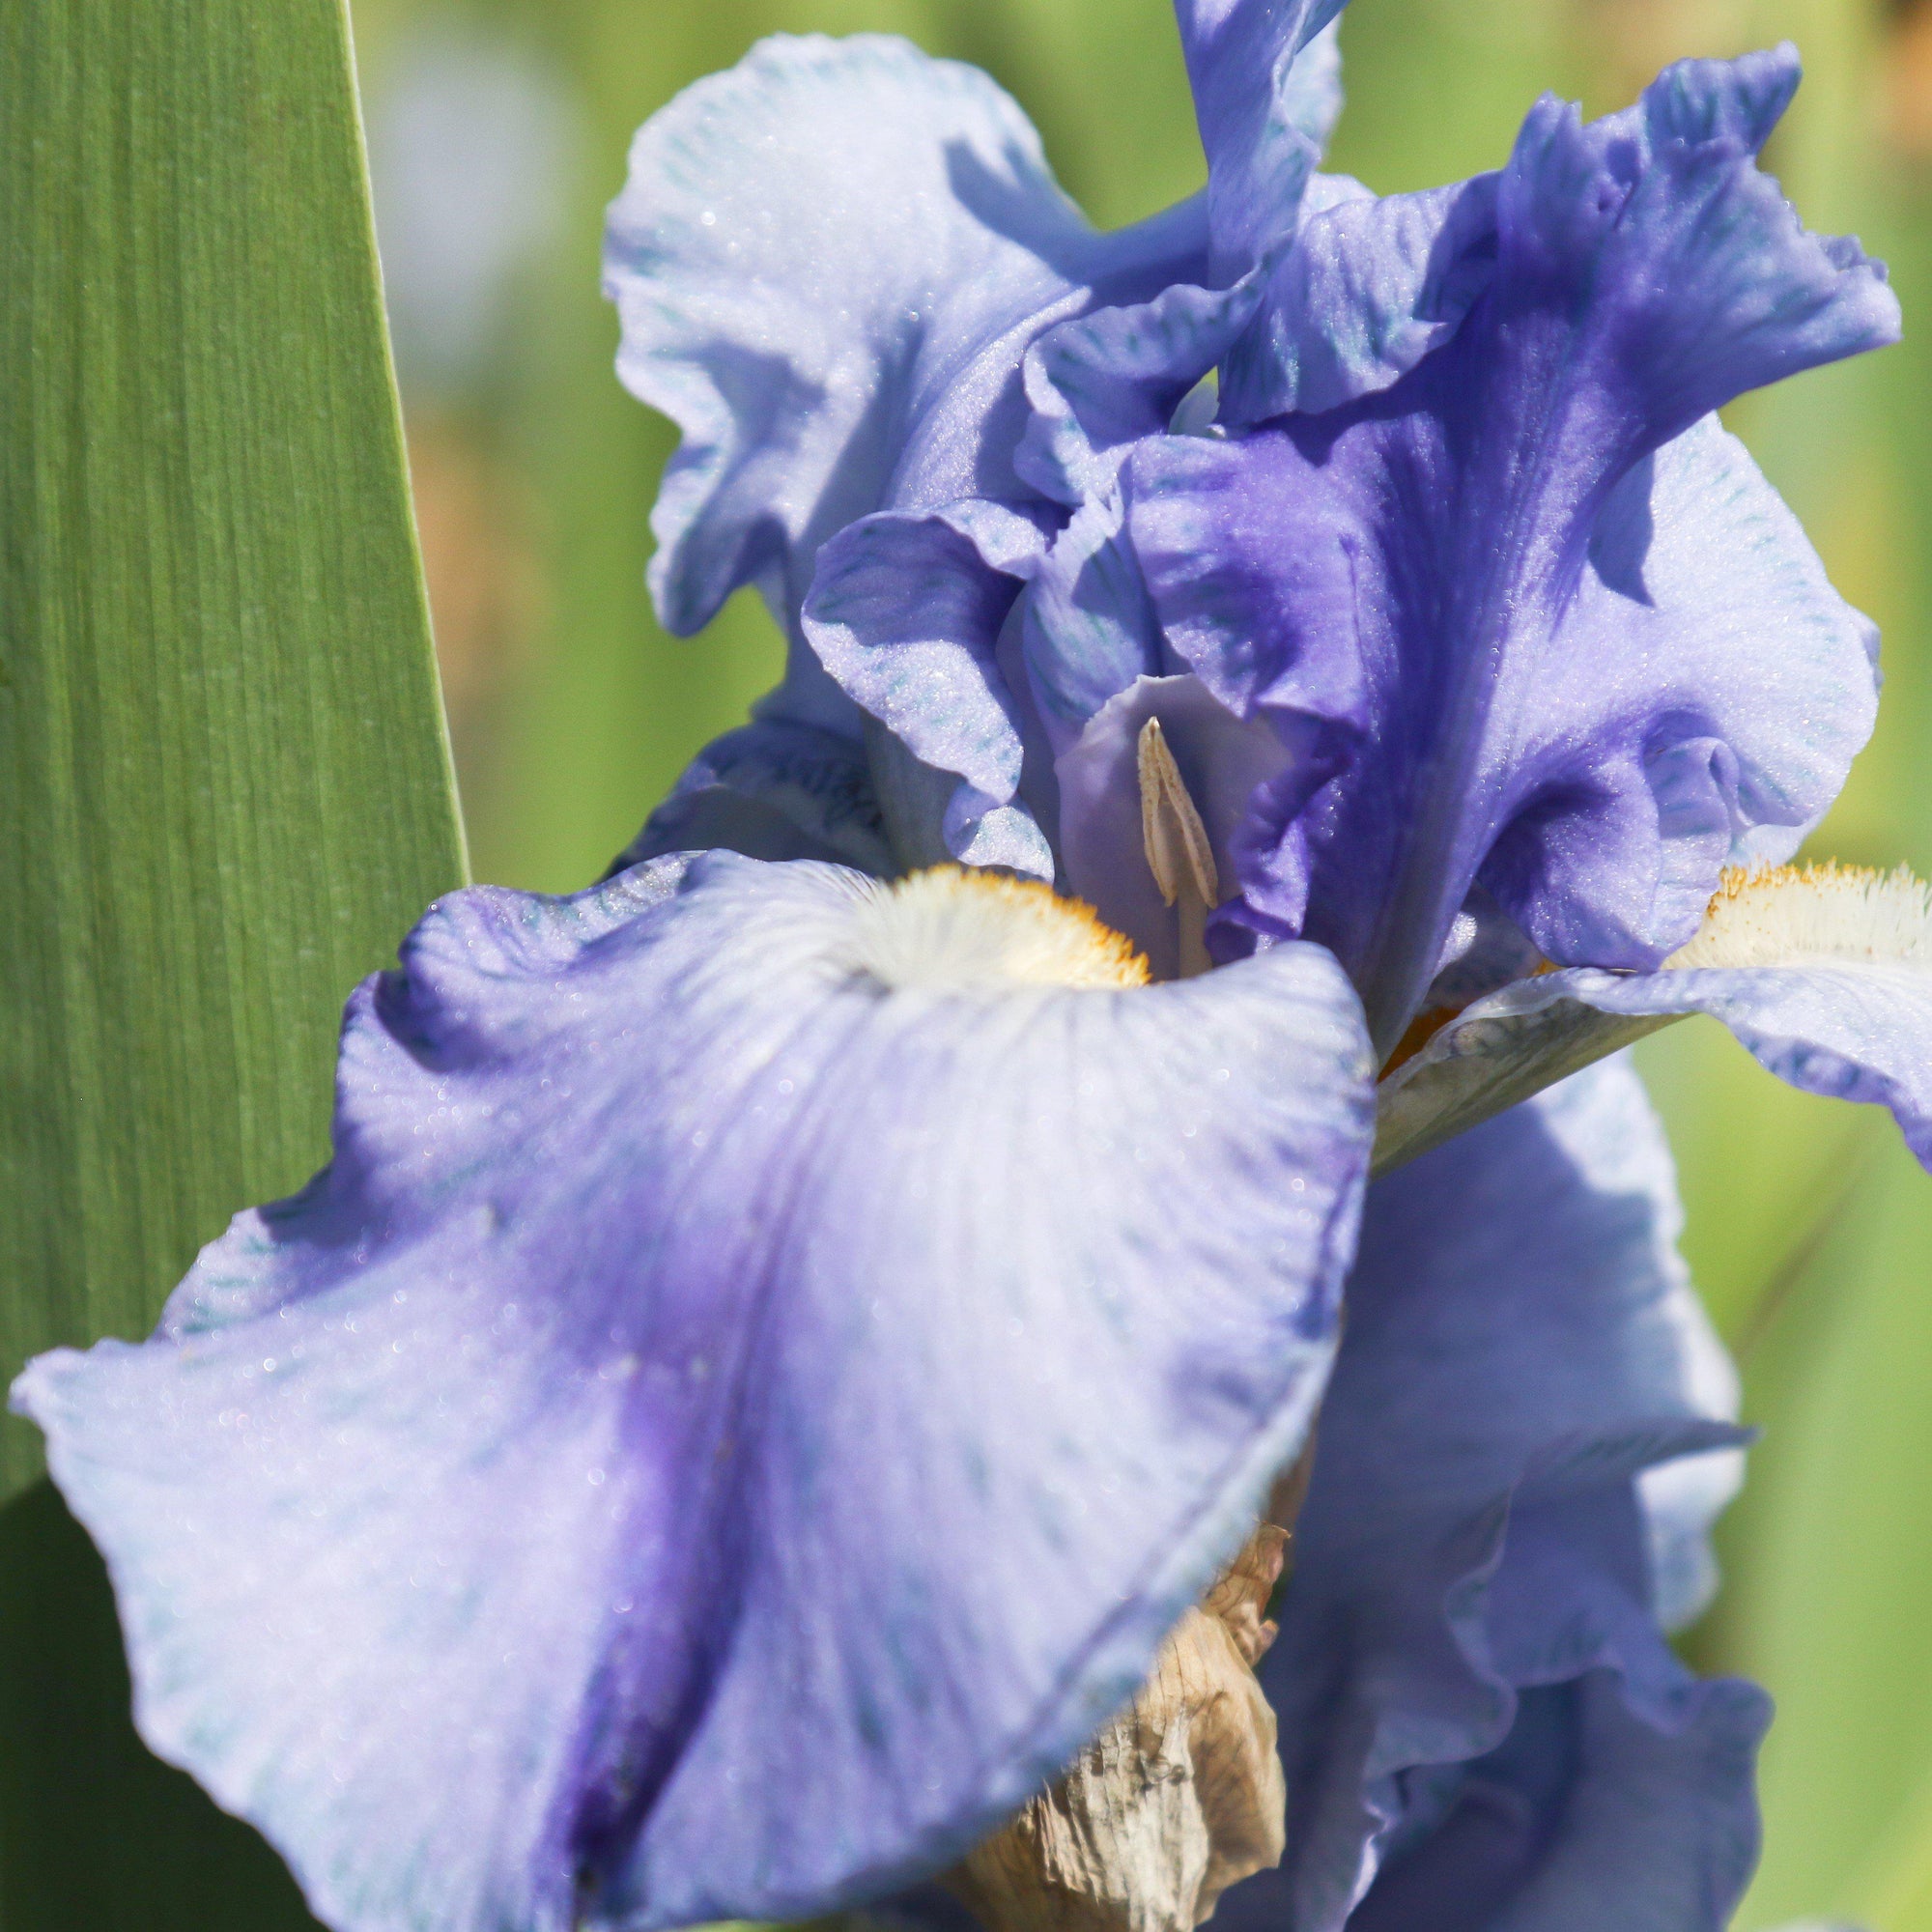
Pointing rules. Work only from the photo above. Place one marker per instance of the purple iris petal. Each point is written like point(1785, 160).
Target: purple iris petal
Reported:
point(1848, 1029)
point(1266, 91)
point(832, 266)
point(722, 1430)
point(906, 614)
point(772, 790)
point(1500, 584)
point(828, 265)
point(1372, 285)
point(1098, 383)
point(1590, 1817)
point(1517, 1462)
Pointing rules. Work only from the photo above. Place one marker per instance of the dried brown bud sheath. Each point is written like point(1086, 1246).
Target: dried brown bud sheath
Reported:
point(1180, 1796)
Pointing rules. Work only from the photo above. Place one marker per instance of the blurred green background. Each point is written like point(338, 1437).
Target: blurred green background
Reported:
point(498, 130)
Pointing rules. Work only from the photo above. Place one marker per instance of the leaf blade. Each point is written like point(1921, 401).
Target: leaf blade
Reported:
point(224, 786)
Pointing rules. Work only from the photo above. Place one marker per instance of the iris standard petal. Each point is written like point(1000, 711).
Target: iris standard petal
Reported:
point(1373, 284)
point(906, 614)
point(820, 259)
point(969, 692)
point(1824, 974)
point(1098, 383)
point(829, 265)
point(1099, 371)
point(771, 1356)
point(1473, 1687)
point(1472, 574)
point(1268, 88)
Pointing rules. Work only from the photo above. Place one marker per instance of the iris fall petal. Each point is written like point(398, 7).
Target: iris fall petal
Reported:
point(1468, 577)
point(1824, 976)
point(1523, 1444)
point(770, 1360)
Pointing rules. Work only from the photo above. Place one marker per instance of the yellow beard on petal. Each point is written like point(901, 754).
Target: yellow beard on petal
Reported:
point(1784, 915)
point(951, 930)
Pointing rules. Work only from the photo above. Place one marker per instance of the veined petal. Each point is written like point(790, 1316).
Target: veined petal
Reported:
point(1373, 284)
point(1824, 974)
point(1267, 87)
point(828, 264)
point(906, 614)
point(771, 1356)
point(1101, 382)
point(1498, 578)
point(772, 790)
point(1478, 1711)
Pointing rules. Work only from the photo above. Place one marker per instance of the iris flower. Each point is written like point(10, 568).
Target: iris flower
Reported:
point(791, 1338)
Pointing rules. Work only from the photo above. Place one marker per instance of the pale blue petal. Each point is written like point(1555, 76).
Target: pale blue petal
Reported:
point(721, 1431)
point(1474, 1692)
point(1849, 1030)
point(1267, 87)
point(828, 264)
point(772, 790)
point(1699, 101)
point(800, 240)
point(906, 614)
